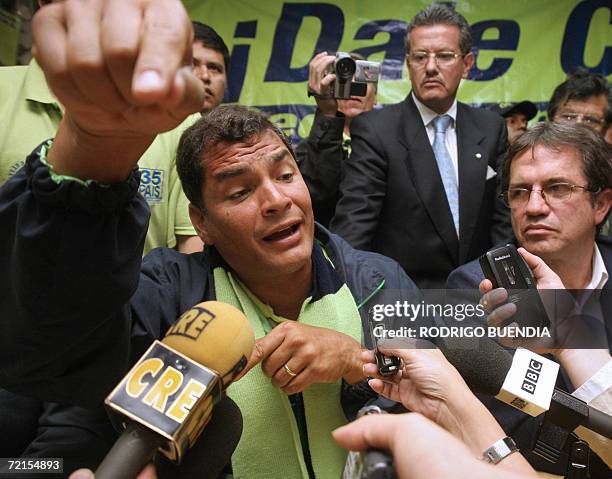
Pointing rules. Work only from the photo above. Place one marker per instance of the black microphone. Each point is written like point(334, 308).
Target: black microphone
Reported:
point(371, 463)
point(166, 399)
point(526, 382)
point(213, 449)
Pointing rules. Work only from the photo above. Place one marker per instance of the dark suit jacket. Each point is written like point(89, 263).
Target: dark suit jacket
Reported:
point(393, 201)
point(524, 428)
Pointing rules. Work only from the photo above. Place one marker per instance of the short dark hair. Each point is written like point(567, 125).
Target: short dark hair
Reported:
point(209, 38)
point(594, 152)
point(224, 124)
point(436, 14)
point(581, 84)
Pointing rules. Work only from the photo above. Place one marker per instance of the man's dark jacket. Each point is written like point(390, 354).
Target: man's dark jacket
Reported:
point(393, 201)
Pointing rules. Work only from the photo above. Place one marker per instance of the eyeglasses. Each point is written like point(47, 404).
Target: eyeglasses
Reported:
point(442, 59)
point(579, 118)
point(554, 194)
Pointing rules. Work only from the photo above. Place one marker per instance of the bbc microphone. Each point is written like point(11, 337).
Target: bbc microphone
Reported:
point(166, 399)
point(525, 381)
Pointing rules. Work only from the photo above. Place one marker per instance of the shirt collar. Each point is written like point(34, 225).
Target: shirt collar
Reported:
point(599, 278)
point(427, 114)
point(36, 88)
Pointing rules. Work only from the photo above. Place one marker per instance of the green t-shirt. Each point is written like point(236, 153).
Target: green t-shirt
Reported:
point(30, 114)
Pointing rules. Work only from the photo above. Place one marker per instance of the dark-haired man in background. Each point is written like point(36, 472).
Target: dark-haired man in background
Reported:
point(583, 98)
point(420, 185)
point(516, 115)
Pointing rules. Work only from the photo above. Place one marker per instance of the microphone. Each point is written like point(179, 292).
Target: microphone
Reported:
point(371, 463)
point(213, 449)
point(525, 382)
point(168, 395)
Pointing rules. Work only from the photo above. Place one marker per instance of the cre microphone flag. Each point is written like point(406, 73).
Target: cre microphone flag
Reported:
point(169, 390)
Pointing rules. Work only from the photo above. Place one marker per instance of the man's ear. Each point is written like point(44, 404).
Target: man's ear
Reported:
point(603, 201)
point(468, 63)
point(199, 223)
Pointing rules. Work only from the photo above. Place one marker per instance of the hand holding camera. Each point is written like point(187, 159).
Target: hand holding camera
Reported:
point(339, 77)
point(320, 80)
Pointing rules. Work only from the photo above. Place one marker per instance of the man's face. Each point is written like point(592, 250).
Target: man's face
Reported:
point(554, 232)
point(258, 210)
point(208, 65)
point(358, 104)
point(516, 124)
point(589, 111)
point(436, 86)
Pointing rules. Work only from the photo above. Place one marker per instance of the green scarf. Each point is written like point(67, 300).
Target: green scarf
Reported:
point(270, 444)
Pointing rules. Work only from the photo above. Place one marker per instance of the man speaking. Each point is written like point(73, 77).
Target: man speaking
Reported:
point(83, 304)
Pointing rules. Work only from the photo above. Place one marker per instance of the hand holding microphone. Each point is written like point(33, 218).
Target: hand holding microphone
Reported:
point(168, 395)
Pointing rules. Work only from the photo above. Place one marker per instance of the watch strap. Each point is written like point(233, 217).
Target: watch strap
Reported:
point(499, 450)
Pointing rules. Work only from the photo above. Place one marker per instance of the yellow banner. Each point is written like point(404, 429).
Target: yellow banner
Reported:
point(524, 48)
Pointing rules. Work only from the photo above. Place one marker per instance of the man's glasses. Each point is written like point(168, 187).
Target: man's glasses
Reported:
point(443, 59)
point(579, 118)
point(554, 194)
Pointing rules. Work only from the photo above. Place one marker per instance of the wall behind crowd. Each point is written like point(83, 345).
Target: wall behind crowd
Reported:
point(524, 48)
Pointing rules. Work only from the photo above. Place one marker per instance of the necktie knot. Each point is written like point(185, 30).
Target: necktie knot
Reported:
point(441, 123)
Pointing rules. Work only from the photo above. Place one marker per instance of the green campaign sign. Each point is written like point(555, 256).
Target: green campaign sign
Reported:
point(523, 48)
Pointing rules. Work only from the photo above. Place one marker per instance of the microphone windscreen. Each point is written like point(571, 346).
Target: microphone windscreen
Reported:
point(213, 449)
point(214, 334)
point(484, 369)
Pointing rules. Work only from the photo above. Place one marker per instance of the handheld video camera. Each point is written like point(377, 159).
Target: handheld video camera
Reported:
point(506, 268)
point(352, 76)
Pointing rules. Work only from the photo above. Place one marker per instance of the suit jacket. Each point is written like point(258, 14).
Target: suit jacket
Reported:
point(393, 200)
point(524, 428)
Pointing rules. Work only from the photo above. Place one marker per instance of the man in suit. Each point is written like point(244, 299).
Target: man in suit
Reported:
point(421, 185)
point(557, 181)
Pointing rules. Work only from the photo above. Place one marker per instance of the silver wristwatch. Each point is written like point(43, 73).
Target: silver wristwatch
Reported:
point(498, 451)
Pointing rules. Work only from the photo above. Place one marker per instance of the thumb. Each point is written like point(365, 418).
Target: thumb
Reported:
point(375, 431)
point(545, 277)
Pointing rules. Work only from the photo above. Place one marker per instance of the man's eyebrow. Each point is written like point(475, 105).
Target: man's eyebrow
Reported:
point(548, 181)
point(281, 155)
point(233, 172)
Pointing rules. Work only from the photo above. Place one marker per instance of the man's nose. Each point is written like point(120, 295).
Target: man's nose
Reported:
point(274, 199)
point(536, 205)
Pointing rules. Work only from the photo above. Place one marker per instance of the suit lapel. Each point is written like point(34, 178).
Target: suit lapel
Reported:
point(473, 163)
point(426, 176)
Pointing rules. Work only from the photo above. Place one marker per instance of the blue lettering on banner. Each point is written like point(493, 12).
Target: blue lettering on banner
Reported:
point(332, 27)
point(151, 185)
point(508, 38)
point(575, 38)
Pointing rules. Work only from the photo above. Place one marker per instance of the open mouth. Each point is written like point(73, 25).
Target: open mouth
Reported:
point(282, 234)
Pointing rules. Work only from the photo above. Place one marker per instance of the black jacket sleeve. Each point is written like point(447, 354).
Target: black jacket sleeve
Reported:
point(321, 159)
point(70, 260)
point(363, 186)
